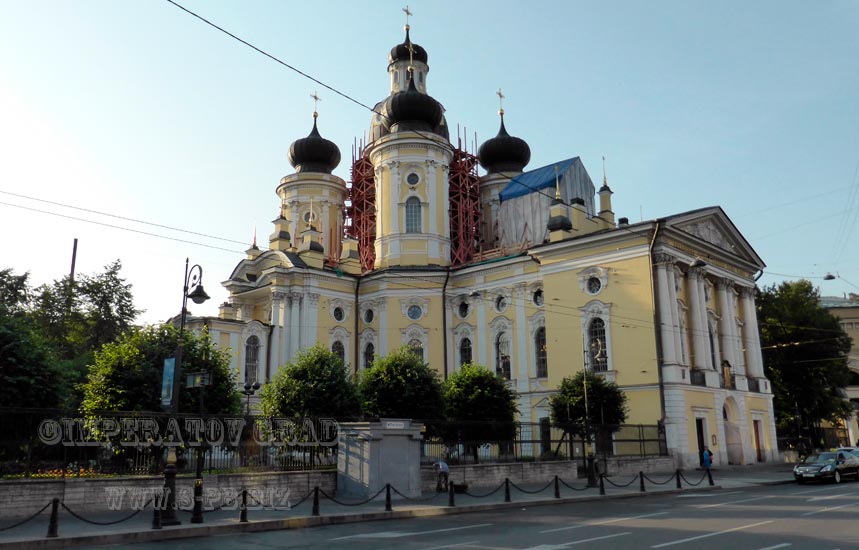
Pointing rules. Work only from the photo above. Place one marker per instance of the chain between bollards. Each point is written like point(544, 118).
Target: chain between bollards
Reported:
point(388, 507)
point(450, 498)
point(315, 501)
point(52, 524)
point(710, 477)
point(243, 515)
point(602, 484)
point(640, 481)
point(677, 475)
point(557, 488)
point(506, 489)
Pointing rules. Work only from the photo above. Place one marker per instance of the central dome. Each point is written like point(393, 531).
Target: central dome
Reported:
point(412, 110)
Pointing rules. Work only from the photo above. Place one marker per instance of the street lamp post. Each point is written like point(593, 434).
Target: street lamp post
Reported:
point(194, 282)
point(249, 390)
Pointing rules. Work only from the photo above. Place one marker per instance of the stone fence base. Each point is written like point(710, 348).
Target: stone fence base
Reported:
point(490, 475)
point(88, 495)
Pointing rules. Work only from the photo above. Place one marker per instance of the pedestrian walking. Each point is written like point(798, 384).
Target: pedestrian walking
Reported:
point(707, 458)
point(442, 474)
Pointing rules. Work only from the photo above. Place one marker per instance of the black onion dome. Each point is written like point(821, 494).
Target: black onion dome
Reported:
point(504, 153)
point(314, 153)
point(412, 110)
point(401, 51)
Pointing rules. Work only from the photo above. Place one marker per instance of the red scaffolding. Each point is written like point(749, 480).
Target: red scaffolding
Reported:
point(362, 210)
point(464, 195)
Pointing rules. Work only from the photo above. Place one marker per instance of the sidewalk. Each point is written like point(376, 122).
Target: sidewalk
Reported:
point(74, 532)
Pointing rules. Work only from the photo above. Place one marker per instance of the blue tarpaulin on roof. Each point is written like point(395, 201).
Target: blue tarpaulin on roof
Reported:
point(535, 180)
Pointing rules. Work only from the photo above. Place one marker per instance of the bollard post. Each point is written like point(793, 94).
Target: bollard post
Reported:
point(450, 498)
point(388, 497)
point(156, 512)
point(641, 482)
point(557, 488)
point(243, 515)
point(591, 472)
point(677, 475)
point(602, 484)
point(315, 501)
point(52, 524)
point(506, 489)
point(710, 477)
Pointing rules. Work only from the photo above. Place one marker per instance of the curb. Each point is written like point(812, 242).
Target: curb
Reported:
point(133, 537)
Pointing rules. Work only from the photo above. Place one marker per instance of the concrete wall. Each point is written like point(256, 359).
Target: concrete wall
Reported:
point(491, 475)
point(24, 497)
point(631, 466)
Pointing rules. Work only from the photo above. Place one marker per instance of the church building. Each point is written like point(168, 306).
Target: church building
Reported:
point(527, 272)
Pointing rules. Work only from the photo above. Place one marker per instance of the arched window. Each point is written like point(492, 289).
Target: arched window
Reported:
point(417, 348)
point(502, 356)
point(251, 359)
point(413, 215)
point(369, 355)
point(338, 349)
point(597, 350)
point(540, 349)
point(464, 351)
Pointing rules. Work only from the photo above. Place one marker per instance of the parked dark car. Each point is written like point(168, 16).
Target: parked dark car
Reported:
point(835, 466)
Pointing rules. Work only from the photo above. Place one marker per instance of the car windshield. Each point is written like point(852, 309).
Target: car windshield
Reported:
point(821, 458)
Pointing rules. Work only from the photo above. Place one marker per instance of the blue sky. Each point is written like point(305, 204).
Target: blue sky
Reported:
point(139, 110)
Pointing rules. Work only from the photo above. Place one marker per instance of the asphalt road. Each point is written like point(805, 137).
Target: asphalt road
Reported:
point(756, 518)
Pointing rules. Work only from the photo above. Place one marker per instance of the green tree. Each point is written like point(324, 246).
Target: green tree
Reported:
point(127, 373)
point(805, 354)
point(28, 377)
point(604, 411)
point(479, 406)
point(316, 384)
point(401, 385)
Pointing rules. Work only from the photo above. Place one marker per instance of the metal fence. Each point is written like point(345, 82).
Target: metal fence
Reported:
point(47, 444)
point(493, 442)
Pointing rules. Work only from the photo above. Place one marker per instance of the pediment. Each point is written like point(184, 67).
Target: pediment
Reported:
point(712, 226)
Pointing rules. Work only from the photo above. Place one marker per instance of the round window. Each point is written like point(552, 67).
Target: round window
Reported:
point(368, 316)
point(309, 216)
point(338, 314)
point(538, 298)
point(594, 285)
point(414, 312)
point(413, 179)
point(463, 309)
point(500, 303)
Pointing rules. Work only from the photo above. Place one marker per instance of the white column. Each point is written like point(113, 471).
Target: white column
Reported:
point(675, 313)
point(294, 320)
point(751, 338)
point(726, 321)
point(310, 321)
point(274, 353)
point(522, 340)
point(383, 328)
point(481, 332)
point(699, 330)
point(666, 321)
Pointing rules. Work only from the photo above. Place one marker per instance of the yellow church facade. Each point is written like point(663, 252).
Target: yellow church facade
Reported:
point(525, 272)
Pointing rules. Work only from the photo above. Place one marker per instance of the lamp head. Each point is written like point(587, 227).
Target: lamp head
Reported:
point(829, 277)
point(198, 295)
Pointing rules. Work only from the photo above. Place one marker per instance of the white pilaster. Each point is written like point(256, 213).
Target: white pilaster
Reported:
point(699, 330)
point(666, 322)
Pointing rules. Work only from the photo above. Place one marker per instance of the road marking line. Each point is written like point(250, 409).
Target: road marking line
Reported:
point(813, 499)
point(576, 542)
point(708, 535)
point(400, 534)
point(782, 545)
point(701, 495)
point(809, 491)
point(731, 502)
point(452, 545)
point(603, 522)
point(827, 509)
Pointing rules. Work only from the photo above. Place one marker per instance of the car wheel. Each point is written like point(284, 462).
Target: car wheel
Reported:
point(837, 477)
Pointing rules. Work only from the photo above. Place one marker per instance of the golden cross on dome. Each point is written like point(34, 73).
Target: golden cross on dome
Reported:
point(411, 56)
point(501, 97)
point(408, 13)
point(316, 99)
